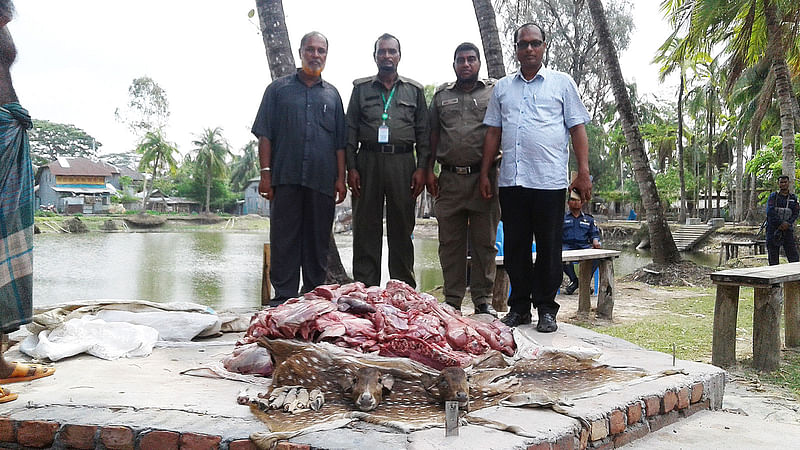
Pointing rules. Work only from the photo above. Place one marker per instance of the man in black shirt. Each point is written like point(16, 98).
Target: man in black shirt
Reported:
point(301, 138)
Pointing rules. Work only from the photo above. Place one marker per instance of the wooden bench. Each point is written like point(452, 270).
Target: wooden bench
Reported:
point(766, 282)
point(605, 295)
point(730, 249)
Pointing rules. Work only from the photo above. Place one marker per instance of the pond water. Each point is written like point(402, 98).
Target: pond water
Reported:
point(221, 270)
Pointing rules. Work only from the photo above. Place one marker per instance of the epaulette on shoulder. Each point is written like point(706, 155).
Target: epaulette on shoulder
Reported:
point(443, 86)
point(358, 81)
point(490, 81)
point(415, 83)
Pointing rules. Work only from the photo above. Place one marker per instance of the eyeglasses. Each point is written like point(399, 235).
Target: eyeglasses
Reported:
point(522, 45)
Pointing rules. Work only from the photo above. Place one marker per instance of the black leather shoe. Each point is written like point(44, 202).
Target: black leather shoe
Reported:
point(514, 319)
point(485, 309)
point(456, 307)
point(547, 323)
point(569, 290)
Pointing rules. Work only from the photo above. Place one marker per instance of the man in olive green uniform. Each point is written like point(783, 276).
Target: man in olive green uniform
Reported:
point(457, 133)
point(387, 116)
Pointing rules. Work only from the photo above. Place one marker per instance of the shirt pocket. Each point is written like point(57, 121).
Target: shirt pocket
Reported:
point(372, 108)
point(327, 118)
point(406, 110)
point(450, 113)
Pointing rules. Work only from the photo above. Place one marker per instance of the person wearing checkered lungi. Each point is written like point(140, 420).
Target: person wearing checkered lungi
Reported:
point(16, 215)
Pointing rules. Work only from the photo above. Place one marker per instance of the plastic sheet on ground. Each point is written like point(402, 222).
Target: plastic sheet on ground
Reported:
point(93, 336)
point(53, 316)
point(112, 329)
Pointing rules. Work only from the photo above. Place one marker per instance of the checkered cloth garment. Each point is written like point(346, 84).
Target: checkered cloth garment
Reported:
point(16, 218)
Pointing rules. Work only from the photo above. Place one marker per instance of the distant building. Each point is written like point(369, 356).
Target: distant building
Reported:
point(254, 203)
point(163, 203)
point(137, 178)
point(76, 185)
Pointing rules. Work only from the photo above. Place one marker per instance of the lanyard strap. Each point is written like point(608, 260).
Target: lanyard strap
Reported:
point(386, 102)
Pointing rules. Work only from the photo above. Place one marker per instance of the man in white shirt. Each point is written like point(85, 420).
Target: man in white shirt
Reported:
point(532, 116)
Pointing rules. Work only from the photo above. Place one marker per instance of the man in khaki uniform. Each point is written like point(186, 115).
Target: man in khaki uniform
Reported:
point(387, 117)
point(457, 134)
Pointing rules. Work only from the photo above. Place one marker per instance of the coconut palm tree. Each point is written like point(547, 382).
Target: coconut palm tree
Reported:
point(673, 56)
point(749, 29)
point(662, 244)
point(211, 153)
point(245, 167)
point(157, 153)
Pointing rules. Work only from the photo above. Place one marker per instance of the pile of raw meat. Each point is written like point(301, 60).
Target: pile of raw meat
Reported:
point(395, 321)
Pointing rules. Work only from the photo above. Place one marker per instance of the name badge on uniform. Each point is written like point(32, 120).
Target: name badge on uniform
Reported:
point(383, 134)
point(451, 101)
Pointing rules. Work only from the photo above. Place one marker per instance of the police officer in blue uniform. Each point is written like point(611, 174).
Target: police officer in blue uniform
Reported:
point(580, 232)
point(782, 210)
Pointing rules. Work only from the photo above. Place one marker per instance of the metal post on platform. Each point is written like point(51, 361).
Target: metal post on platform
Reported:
point(451, 418)
point(266, 287)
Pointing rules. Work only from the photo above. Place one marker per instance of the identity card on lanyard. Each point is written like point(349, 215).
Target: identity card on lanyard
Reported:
point(383, 130)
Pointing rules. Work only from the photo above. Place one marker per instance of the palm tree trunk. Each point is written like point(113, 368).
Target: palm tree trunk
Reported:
point(148, 192)
point(276, 37)
point(709, 157)
point(493, 52)
point(144, 194)
point(663, 246)
point(740, 176)
point(776, 53)
point(681, 176)
point(208, 191)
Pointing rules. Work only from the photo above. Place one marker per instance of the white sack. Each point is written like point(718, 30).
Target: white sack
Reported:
point(171, 325)
point(94, 336)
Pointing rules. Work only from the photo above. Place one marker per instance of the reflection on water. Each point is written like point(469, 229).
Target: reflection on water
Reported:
point(221, 270)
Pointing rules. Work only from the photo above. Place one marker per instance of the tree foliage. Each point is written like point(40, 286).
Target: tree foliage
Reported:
point(210, 159)
point(147, 108)
point(245, 166)
point(49, 140)
point(767, 164)
point(572, 45)
point(158, 155)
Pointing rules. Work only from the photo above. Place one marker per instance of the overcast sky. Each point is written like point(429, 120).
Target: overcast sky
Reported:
point(77, 58)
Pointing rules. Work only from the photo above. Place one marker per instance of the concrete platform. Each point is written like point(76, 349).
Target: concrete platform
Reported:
point(147, 403)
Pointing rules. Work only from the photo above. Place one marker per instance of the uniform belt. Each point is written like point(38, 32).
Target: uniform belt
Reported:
point(462, 170)
point(388, 148)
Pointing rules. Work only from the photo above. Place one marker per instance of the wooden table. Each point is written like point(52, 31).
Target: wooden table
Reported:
point(605, 295)
point(767, 282)
point(730, 249)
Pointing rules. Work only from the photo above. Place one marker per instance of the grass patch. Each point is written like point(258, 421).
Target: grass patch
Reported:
point(688, 323)
point(788, 375)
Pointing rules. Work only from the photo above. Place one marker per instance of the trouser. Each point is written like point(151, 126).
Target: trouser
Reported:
point(385, 179)
point(529, 213)
point(778, 238)
point(464, 216)
point(299, 234)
